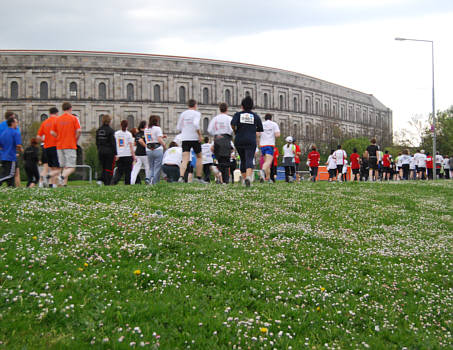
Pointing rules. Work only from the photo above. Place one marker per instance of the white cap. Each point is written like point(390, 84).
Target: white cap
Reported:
point(289, 139)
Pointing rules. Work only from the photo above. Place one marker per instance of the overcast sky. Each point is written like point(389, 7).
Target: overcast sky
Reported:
point(347, 42)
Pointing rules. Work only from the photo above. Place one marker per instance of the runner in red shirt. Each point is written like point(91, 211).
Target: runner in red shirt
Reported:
point(355, 165)
point(429, 166)
point(386, 165)
point(313, 159)
point(274, 165)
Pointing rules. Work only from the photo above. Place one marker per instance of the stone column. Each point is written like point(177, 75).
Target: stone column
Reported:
point(196, 89)
point(171, 94)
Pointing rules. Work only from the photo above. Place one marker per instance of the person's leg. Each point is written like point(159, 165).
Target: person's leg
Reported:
point(127, 170)
point(8, 172)
point(315, 173)
point(268, 159)
point(287, 173)
point(17, 177)
point(185, 161)
point(136, 169)
point(242, 167)
point(158, 154)
point(145, 162)
point(199, 165)
point(273, 173)
point(206, 172)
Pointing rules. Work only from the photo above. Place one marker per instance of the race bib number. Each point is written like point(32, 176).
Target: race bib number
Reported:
point(148, 137)
point(121, 142)
point(247, 118)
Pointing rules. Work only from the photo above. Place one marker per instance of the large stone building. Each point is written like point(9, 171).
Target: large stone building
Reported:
point(134, 86)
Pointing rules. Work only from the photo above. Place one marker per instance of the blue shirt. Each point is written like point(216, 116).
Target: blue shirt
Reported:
point(9, 139)
point(247, 125)
point(3, 127)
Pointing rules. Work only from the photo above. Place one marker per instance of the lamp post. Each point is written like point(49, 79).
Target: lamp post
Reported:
point(434, 109)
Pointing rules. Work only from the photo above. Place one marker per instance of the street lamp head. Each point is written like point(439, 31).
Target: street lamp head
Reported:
point(400, 39)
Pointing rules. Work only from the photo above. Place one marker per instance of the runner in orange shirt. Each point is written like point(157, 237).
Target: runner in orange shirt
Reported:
point(67, 131)
point(50, 147)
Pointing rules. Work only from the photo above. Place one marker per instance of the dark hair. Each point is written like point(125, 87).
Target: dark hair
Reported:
point(427, 153)
point(192, 103)
point(373, 141)
point(247, 103)
point(33, 141)
point(386, 152)
point(206, 139)
point(354, 150)
point(331, 151)
point(53, 110)
point(313, 147)
point(9, 114)
point(134, 131)
point(223, 107)
point(406, 151)
point(142, 125)
point(153, 120)
point(339, 147)
point(418, 150)
point(268, 116)
point(66, 106)
point(10, 121)
point(124, 125)
point(106, 119)
point(172, 144)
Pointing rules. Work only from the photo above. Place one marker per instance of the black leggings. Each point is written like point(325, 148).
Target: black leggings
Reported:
point(124, 165)
point(32, 172)
point(247, 155)
point(107, 163)
point(289, 171)
point(224, 167)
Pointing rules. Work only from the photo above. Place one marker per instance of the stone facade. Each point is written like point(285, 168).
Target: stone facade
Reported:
point(134, 86)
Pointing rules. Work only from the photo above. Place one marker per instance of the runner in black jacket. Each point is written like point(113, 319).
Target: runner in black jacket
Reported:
point(31, 158)
point(105, 142)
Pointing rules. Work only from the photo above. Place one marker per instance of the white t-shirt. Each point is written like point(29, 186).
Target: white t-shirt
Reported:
point(173, 156)
point(188, 124)
point(447, 163)
point(123, 140)
point(412, 163)
point(405, 159)
point(422, 161)
point(289, 150)
point(152, 134)
point(178, 140)
point(345, 167)
point(331, 163)
point(439, 159)
point(206, 153)
point(268, 134)
point(339, 155)
point(399, 163)
point(220, 124)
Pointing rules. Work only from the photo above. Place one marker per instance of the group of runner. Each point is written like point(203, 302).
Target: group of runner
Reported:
point(59, 135)
point(125, 153)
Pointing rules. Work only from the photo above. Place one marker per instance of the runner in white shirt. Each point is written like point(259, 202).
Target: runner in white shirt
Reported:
point(439, 161)
point(331, 166)
point(220, 128)
point(340, 156)
point(155, 147)
point(413, 168)
point(125, 154)
point(172, 161)
point(446, 164)
point(421, 165)
point(189, 125)
point(289, 152)
point(405, 160)
point(208, 160)
point(267, 143)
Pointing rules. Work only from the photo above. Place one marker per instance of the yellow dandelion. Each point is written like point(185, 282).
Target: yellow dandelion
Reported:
point(263, 330)
point(85, 264)
point(318, 308)
point(34, 237)
point(135, 214)
point(80, 269)
point(323, 289)
point(137, 272)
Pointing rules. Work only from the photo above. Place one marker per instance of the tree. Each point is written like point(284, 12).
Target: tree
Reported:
point(444, 133)
point(360, 143)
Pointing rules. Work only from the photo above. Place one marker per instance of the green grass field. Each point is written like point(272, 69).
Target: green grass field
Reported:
point(176, 266)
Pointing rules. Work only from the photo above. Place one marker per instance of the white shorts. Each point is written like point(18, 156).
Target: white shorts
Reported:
point(67, 158)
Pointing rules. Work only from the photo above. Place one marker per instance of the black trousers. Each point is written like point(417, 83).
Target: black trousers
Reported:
point(32, 172)
point(289, 171)
point(8, 173)
point(405, 171)
point(207, 172)
point(273, 173)
point(447, 173)
point(233, 166)
point(314, 173)
point(107, 162)
point(430, 173)
point(172, 172)
point(224, 167)
point(124, 165)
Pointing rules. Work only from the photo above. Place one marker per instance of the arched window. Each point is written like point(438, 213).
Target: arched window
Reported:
point(228, 97)
point(14, 90)
point(296, 131)
point(317, 107)
point(43, 90)
point(156, 92)
point(43, 117)
point(295, 105)
point(130, 121)
point(73, 90)
point(281, 102)
point(182, 94)
point(102, 91)
point(205, 96)
point(100, 119)
point(205, 125)
point(307, 106)
point(334, 111)
point(308, 132)
point(130, 92)
point(265, 100)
